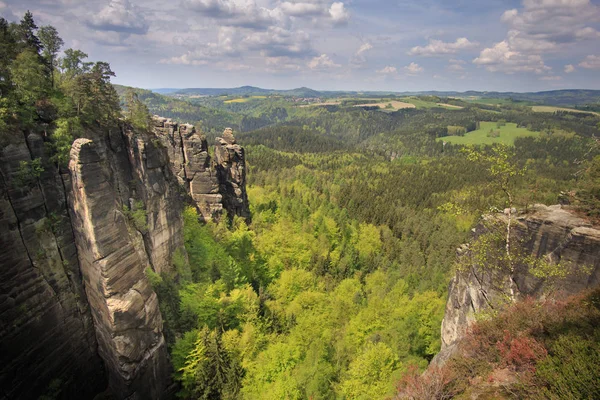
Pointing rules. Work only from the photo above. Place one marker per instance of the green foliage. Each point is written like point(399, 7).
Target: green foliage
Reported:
point(137, 112)
point(489, 133)
point(29, 172)
point(588, 195)
point(211, 370)
point(67, 130)
point(571, 369)
point(137, 216)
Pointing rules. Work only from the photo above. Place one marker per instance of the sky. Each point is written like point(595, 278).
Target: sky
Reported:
point(391, 45)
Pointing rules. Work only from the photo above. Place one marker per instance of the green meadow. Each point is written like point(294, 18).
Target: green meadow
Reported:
point(507, 135)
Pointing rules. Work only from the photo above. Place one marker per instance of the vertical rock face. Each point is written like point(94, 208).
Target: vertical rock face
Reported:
point(47, 338)
point(231, 172)
point(124, 307)
point(77, 313)
point(551, 232)
point(213, 185)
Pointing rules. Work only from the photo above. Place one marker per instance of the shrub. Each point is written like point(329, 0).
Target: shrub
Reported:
point(29, 172)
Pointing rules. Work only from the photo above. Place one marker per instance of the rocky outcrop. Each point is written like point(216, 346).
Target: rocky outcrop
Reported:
point(47, 338)
point(554, 233)
point(231, 172)
point(77, 312)
point(124, 307)
point(214, 185)
point(191, 163)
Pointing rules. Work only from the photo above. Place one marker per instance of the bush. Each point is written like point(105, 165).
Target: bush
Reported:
point(29, 172)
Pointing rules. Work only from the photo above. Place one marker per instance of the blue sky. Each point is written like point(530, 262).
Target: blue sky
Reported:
point(398, 45)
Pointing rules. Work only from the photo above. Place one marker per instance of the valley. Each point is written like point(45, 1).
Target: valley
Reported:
point(249, 243)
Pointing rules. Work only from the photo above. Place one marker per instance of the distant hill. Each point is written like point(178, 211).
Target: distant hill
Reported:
point(568, 97)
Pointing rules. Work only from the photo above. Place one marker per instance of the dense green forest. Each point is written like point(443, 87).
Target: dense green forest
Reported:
point(337, 288)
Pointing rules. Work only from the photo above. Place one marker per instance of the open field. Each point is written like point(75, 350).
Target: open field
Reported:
point(395, 105)
point(244, 99)
point(550, 109)
point(508, 134)
point(450, 106)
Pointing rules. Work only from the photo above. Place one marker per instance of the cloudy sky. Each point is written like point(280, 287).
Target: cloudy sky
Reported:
point(399, 45)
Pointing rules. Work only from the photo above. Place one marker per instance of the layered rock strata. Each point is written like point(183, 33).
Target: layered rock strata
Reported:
point(214, 185)
point(231, 172)
point(124, 306)
point(555, 233)
point(77, 312)
point(47, 338)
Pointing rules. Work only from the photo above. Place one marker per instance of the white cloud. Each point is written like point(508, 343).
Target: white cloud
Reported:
point(301, 9)
point(503, 58)
point(248, 14)
point(120, 16)
point(339, 14)
point(281, 64)
point(591, 62)
point(322, 62)
point(413, 69)
point(244, 14)
point(189, 58)
point(437, 47)
point(546, 25)
point(538, 28)
point(359, 59)
point(388, 70)
point(569, 68)
point(278, 42)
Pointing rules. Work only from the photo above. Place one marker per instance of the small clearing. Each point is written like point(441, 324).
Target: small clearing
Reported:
point(395, 105)
point(489, 133)
point(450, 106)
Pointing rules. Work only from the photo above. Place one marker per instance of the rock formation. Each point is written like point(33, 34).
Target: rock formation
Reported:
point(213, 185)
point(553, 232)
point(124, 307)
point(77, 312)
point(47, 338)
point(231, 172)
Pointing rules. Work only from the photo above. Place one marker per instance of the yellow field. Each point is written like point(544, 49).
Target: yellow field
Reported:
point(244, 99)
point(554, 109)
point(396, 105)
point(450, 106)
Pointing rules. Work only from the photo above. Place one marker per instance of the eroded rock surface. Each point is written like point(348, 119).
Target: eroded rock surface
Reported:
point(553, 232)
point(231, 172)
point(214, 184)
point(47, 338)
point(124, 306)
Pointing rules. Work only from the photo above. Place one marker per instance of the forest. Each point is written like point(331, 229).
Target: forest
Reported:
point(336, 288)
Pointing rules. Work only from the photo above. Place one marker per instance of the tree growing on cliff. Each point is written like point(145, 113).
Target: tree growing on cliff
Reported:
point(137, 112)
point(503, 172)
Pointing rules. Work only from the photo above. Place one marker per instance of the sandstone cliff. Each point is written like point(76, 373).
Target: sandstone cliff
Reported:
point(214, 185)
point(231, 172)
point(77, 311)
point(554, 233)
point(47, 338)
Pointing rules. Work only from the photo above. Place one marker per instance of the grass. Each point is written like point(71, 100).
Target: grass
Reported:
point(550, 109)
point(508, 134)
point(395, 105)
point(244, 99)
